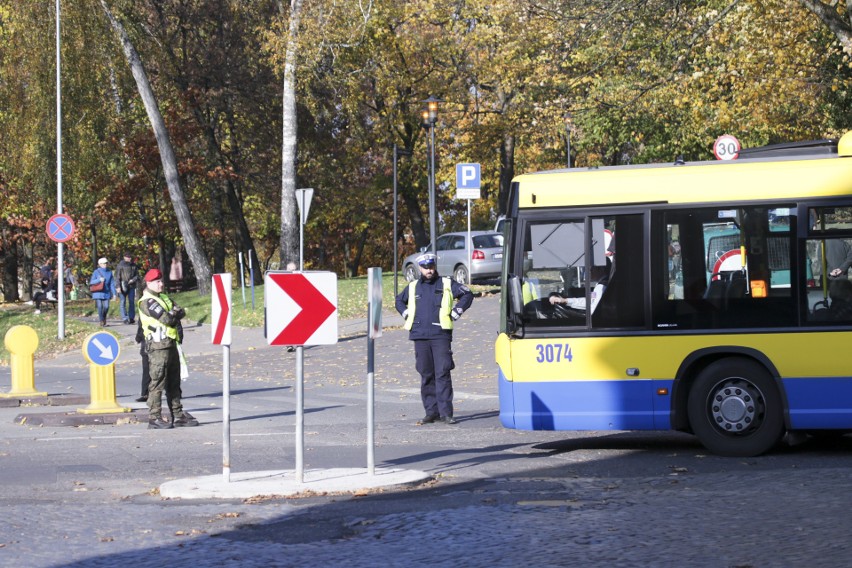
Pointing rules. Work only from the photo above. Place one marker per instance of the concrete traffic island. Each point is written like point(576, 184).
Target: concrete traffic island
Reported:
point(251, 484)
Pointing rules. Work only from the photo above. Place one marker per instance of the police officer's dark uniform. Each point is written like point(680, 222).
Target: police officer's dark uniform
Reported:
point(160, 319)
point(427, 306)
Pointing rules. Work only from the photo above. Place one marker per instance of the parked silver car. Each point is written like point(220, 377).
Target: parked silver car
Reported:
point(486, 256)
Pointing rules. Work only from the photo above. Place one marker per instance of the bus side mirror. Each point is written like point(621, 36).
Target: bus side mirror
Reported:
point(516, 298)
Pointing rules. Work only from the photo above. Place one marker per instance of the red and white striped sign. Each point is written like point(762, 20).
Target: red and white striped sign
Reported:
point(221, 309)
point(301, 308)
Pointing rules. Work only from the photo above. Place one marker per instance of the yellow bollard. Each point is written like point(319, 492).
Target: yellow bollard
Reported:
point(22, 342)
point(101, 350)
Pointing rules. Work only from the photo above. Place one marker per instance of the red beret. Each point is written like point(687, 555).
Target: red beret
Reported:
point(153, 274)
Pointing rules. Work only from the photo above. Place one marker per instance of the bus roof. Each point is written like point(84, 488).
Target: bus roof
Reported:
point(754, 179)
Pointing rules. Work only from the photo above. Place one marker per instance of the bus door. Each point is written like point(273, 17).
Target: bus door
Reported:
point(583, 280)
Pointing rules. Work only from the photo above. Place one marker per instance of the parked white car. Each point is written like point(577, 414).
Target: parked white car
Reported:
point(486, 256)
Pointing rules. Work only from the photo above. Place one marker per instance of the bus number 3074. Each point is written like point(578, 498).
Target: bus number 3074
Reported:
point(553, 353)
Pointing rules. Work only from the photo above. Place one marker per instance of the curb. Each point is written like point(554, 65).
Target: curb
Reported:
point(78, 419)
point(252, 484)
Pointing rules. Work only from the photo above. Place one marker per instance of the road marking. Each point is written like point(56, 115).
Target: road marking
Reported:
point(457, 395)
point(86, 438)
point(262, 434)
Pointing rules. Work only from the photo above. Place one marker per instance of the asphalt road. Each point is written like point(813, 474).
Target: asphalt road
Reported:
point(87, 496)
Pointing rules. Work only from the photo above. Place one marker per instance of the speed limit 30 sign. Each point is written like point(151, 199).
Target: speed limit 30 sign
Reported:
point(726, 147)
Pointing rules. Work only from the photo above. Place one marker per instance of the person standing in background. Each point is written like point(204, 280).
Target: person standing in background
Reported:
point(176, 272)
point(127, 274)
point(102, 276)
point(146, 374)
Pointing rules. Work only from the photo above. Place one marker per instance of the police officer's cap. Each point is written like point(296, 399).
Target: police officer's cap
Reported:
point(426, 259)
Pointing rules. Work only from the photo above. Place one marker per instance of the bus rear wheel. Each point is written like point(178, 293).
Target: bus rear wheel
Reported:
point(735, 409)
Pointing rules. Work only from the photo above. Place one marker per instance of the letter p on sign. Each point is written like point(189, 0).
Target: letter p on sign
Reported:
point(467, 176)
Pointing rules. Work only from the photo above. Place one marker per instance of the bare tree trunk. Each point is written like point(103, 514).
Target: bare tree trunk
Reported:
point(9, 252)
point(191, 240)
point(289, 209)
point(415, 216)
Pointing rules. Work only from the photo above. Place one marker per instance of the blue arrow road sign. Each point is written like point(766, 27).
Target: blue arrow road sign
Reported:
point(467, 176)
point(102, 348)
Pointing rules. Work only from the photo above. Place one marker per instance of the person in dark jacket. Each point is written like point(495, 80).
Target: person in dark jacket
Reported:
point(127, 274)
point(427, 307)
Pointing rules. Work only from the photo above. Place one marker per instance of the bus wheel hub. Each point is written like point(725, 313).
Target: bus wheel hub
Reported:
point(734, 406)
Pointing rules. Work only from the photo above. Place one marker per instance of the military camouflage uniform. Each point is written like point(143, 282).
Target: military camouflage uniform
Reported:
point(160, 319)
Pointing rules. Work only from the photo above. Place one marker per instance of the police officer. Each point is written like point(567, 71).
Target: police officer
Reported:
point(160, 318)
point(427, 307)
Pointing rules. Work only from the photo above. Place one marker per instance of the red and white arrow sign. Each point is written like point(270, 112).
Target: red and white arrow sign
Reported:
point(221, 309)
point(301, 308)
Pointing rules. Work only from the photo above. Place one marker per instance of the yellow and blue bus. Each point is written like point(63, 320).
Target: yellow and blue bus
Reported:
point(708, 297)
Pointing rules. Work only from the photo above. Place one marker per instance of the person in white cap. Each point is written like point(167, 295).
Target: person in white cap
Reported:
point(427, 307)
point(102, 288)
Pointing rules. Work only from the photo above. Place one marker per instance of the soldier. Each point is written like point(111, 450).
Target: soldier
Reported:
point(160, 318)
point(427, 306)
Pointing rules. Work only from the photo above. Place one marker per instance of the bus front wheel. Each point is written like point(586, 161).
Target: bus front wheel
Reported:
point(735, 409)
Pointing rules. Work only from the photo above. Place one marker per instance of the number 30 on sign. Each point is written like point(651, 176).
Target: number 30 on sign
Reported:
point(726, 147)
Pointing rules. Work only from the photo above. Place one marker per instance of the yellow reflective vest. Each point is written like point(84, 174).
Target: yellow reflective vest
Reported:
point(153, 329)
point(446, 304)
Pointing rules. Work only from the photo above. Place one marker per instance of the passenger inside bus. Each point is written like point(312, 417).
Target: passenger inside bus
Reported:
point(838, 257)
point(839, 306)
point(840, 292)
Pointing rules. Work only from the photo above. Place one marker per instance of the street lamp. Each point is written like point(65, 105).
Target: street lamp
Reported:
point(396, 154)
point(567, 118)
point(429, 117)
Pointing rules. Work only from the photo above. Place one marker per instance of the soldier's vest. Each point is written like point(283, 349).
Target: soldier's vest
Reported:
point(153, 329)
point(443, 313)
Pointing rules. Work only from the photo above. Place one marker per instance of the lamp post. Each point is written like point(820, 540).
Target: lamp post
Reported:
point(430, 117)
point(567, 118)
point(396, 154)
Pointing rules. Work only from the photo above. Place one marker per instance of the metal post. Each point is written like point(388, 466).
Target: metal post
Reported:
point(469, 246)
point(395, 242)
point(226, 413)
point(302, 234)
point(60, 248)
point(243, 279)
point(371, 396)
point(300, 414)
point(432, 203)
point(568, 139)
point(251, 279)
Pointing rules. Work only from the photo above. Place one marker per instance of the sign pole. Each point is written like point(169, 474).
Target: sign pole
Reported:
point(243, 278)
point(300, 361)
point(371, 397)
point(60, 248)
point(226, 413)
point(469, 243)
point(251, 279)
point(300, 414)
point(220, 311)
point(374, 330)
point(302, 238)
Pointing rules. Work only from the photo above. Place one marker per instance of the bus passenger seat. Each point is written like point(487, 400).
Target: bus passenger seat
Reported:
point(716, 288)
point(736, 287)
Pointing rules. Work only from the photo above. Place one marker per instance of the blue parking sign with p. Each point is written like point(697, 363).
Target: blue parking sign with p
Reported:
point(467, 176)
